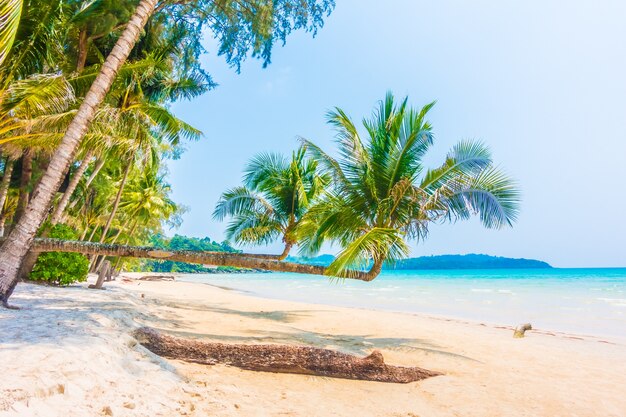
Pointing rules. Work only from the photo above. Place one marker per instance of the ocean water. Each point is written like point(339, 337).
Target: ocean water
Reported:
point(580, 301)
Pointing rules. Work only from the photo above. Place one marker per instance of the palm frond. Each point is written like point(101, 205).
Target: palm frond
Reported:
point(492, 195)
point(241, 201)
point(376, 244)
point(465, 158)
point(10, 12)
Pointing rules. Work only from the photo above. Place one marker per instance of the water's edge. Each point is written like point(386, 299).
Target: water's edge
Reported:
point(573, 301)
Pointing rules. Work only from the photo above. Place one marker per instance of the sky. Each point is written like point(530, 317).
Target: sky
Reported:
point(543, 83)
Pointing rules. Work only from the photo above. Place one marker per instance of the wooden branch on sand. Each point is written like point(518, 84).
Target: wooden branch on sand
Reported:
point(280, 358)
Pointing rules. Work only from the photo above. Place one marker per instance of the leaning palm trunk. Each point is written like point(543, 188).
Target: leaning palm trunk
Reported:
point(92, 177)
point(31, 258)
point(237, 260)
point(116, 204)
point(57, 215)
point(280, 257)
point(19, 240)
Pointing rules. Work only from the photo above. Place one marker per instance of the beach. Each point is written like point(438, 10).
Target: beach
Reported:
point(70, 352)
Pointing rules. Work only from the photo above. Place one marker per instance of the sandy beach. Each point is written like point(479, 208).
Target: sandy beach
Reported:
point(69, 352)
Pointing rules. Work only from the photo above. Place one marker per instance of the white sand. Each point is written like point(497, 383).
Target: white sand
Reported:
point(69, 353)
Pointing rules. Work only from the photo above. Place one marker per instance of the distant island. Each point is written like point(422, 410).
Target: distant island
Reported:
point(470, 261)
point(178, 242)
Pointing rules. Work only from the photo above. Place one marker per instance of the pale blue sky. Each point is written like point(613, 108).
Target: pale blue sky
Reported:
point(543, 83)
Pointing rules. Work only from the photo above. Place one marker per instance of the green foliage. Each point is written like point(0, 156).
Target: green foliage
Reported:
point(59, 268)
point(179, 242)
point(277, 193)
point(10, 11)
point(382, 194)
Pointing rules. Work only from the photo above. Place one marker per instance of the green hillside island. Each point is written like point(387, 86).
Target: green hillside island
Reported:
point(470, 261)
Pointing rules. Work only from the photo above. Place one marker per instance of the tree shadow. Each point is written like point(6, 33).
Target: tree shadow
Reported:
point(65, 315)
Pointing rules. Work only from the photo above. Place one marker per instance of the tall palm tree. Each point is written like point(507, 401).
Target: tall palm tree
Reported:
point(277, 193)
point(383, 195)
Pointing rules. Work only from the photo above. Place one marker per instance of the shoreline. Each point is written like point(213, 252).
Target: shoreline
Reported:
point(601, 336)
point(70, 353)
point(461, 320)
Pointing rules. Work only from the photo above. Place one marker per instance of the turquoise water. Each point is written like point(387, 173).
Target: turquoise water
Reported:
point(581, 301)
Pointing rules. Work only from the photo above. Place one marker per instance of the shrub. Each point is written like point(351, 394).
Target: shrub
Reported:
point(59, 268)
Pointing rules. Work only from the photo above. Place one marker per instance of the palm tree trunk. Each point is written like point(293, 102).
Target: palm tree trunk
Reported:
point(6, 181)
point(280, 257)
point(116, 203)
point(60, 208)
point(92, 177)
point(29, 261)
point(238, 260)
point(373, 272)
point(17, 244)
point(117, 236)
point(83, 44)
point(25, 178)
point(3, 220)
point(94, 261)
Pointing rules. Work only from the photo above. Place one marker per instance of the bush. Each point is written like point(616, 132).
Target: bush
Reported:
point(59, 268)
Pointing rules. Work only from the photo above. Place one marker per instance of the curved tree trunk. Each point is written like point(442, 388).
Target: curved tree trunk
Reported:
point(57, 215)
point(17, 244)
point(238, 260)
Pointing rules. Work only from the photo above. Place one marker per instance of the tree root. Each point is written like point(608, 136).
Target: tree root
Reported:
point(281, 358)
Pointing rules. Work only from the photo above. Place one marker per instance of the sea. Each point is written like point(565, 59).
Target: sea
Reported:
point(583, 301)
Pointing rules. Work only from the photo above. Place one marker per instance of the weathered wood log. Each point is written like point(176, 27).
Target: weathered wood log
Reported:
point(104, 271)
point(521, 329)
point(239, 260)
point(157, 278)
point(281, 358)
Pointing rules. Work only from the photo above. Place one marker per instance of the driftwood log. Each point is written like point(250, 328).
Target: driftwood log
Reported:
point(280, 358)
point(157, 278)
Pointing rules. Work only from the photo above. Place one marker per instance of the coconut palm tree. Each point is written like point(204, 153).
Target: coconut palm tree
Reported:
point(277, 193)
point(383, 195)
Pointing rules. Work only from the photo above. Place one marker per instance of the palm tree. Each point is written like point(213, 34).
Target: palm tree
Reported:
point(277, 193)
point(383, 195)
point(239, 28)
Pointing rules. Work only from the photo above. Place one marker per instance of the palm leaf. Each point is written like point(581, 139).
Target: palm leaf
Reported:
point(10, 12)
point(376, 244)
